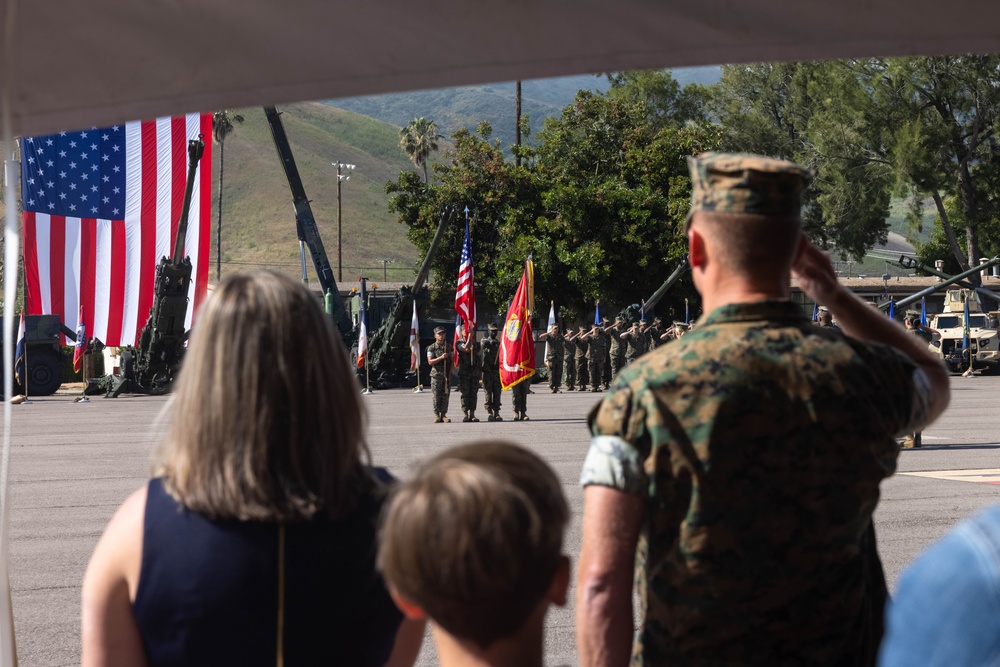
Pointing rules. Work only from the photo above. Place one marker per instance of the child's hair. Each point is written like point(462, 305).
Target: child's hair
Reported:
point(475, 538)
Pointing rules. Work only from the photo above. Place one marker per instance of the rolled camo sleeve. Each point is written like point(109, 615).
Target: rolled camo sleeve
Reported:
point(612, 460)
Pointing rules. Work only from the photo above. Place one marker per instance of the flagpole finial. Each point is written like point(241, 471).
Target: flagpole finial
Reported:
point(466, 212)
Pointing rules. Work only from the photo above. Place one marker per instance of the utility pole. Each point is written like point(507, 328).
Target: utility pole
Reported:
point(340, 247)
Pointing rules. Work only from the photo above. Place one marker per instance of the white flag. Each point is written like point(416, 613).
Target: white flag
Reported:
point(414, 341)
point(548, 329)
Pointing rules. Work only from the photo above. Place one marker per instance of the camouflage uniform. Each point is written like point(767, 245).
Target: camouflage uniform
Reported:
point(617, 350)
point(635, 344)
point(440, 377)
point(569, 363)
point(606, 375)
point(761, 474)
point(595, 357)
point(915, 438)
point(555, 349)
point(582, 345)
point(491, 374)
point(519, 396)
point(653, 334)
point(470, 370)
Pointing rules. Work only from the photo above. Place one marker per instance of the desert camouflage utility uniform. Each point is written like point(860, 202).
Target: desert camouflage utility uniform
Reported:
point(758, 443)
point(617, 350)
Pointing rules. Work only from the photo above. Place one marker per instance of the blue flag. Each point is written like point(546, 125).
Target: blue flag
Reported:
point(687, 312)
point(965, 326)
point(892, 308)
point(923, 312)
point(597, 313)
point(642, 311)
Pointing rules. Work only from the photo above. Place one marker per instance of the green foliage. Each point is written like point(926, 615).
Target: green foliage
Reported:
point(599, 201)
point(819, 115)
point(419, 139)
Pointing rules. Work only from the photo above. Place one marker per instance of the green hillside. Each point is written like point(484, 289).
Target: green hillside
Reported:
point(258, 219)
point(465, 107)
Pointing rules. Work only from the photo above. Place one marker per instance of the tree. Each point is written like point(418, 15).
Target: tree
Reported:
point(946, 146)
point(222, 127)
point(599, 202)
point(418, 140)
point(822, 116)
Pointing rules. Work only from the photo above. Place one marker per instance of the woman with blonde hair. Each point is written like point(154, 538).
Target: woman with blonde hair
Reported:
point(254, 543)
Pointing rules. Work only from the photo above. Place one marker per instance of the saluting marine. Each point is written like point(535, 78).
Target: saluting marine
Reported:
point(582, 345)
point(554, 356)
point(595, 356)
point(617, 349)
point(569, 360)
point(635, 341)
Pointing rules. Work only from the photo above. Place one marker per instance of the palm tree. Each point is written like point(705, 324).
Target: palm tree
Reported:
point(419, 139)
point(222, 126)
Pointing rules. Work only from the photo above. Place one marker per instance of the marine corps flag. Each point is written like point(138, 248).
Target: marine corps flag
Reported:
point(517, 344)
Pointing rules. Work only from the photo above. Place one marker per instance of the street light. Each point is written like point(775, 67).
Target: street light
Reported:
point(340, 179)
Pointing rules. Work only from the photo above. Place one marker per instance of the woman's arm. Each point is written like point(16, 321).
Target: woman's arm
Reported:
point(110, 635)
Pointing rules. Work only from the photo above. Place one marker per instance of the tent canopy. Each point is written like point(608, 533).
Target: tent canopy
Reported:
point(68, 64)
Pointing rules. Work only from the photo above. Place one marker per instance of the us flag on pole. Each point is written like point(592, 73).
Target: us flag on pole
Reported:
point(465, 293)
point(101, 207)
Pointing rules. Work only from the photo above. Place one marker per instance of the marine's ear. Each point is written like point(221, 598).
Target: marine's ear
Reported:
point(697, 256)
point(409, 609)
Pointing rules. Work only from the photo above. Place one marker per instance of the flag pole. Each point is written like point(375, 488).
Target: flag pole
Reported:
point(368, 386)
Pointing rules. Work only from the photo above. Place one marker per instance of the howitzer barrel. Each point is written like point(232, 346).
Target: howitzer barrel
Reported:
point(902, 303)
point(667, 284)
point(425, 268)
point(910, 263)
point(196, 148)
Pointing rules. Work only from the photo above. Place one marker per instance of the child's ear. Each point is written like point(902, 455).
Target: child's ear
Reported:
point(409, 609)
point(560, 583)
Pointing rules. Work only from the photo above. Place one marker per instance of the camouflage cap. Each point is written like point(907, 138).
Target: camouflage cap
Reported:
point(746, 184)
point(439, 330)
point(492, 327)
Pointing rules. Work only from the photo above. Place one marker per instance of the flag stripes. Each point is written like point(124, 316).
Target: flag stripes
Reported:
point(107, 265)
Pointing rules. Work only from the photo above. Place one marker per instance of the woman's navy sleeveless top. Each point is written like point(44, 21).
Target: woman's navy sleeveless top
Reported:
point(208, 589)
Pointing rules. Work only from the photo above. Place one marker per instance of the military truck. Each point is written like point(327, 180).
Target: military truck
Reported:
point(43, 352)
point(983, 348)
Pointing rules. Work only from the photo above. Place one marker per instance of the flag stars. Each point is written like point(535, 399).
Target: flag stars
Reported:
point(93, 188)
point(83, 135)
point(49, 142)
point(93, 209)
point(105, 178)
point(115, 127)
point(115, 212)
point(72, 207)
point(62, 153)
point(62, 174)
point(40, 151)
point(49, 163)
point(105, 157)
point(62, 195)
point(50, 184)
point(117, 168)
point(62, 134)
point(106, 200)
point(117, 190)
point(105, 136)
point(72, 144)
point(116, 148)
point(72, 165)
point(72, 186)
point(84, 156)
point(83, 197)
point(31, 202)
point(93, 167)
point(31, 160)
point(84, 177)
point(93, 147)
point(51, 206)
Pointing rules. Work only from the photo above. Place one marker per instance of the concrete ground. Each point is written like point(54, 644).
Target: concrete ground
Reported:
point(73, 463)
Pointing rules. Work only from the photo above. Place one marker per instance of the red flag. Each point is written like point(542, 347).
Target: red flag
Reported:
point(101, 207)
point(517, 345)
point(81, 342)
point(454, 342)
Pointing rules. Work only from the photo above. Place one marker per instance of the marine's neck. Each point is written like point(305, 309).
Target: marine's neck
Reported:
point(728, 290)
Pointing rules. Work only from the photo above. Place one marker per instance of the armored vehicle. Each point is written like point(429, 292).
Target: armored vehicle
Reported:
point(968, 335)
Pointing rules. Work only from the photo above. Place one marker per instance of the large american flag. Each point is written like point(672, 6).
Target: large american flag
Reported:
point(465, 293)
point(101, 207)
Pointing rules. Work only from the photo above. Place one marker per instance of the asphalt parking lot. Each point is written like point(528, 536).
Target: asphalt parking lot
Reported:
point(73, 463)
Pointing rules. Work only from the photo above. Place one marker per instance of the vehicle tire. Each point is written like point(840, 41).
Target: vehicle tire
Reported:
point(44, 374)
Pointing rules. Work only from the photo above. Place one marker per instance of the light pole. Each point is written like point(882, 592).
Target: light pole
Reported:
point(340, 179)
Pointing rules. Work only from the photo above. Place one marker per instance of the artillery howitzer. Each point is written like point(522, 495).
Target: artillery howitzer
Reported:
point(150, 366)
point(388, 349)
point(631, 314)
